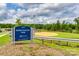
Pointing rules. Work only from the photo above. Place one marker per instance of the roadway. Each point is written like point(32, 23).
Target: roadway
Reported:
point(58, 39)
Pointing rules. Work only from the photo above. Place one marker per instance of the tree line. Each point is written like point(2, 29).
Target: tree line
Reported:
point(58, 26)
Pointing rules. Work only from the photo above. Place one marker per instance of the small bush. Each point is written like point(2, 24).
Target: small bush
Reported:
point(7, 29)
point(0, 30)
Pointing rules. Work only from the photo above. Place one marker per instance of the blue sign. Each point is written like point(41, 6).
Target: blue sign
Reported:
point(22, 33)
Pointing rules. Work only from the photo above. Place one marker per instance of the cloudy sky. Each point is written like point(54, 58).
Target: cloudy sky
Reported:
point(38, 12)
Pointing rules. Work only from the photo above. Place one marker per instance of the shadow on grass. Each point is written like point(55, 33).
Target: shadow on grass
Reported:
point(21, 43)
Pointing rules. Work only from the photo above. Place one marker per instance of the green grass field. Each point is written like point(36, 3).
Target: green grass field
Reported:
point(67, 35)
point(59, 34)
point(4, 40)
point(1, 33)
point(67, 50)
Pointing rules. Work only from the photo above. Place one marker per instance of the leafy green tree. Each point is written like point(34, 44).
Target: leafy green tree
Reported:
point(77, 24)
point(76, 20)
point(18, 21)
point(58, 25)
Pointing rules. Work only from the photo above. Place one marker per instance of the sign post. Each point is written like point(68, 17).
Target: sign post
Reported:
point(20, 33)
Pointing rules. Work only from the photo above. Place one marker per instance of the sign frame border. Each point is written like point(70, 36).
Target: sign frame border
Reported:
point(13, 34)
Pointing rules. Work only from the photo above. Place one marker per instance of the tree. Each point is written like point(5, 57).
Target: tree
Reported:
point(18, 21)
point(76, 20)
point(58, 25)
point(77, 24)
point(63, 26)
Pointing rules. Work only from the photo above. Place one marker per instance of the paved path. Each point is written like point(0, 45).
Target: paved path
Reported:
point(59, 39)
point(4, 34)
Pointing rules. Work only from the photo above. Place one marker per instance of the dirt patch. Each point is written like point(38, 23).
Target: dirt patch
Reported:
point(13, 50)
point(46, 51)
point(46, 34)
point(31, 49)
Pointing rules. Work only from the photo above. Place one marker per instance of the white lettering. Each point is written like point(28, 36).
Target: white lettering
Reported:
point(22, 30)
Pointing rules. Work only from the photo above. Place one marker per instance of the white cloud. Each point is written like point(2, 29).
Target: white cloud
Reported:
point(10, 21)
point(39, 13)
point(43, 8)
point(2, 5)
point(21, 12)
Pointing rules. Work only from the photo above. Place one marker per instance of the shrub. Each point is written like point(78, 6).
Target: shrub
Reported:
point(0, 30)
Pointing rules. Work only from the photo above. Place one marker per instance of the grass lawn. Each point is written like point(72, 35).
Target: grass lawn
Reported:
point(67, 50)
point(4, 40)
point(1, 33)
point(67, 35)
point(58, 34)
